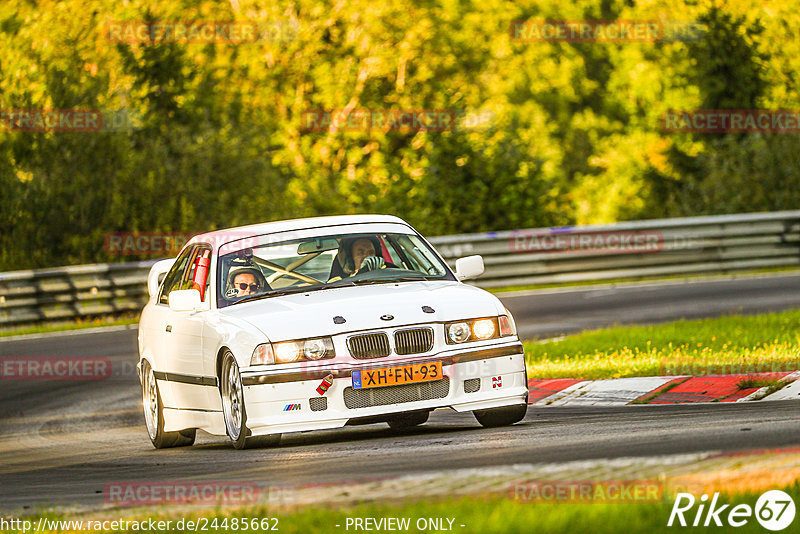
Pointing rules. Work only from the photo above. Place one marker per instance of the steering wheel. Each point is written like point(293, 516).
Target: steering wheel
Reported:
point(389, 270)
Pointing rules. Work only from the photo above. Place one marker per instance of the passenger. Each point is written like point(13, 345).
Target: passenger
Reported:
point(246, 281)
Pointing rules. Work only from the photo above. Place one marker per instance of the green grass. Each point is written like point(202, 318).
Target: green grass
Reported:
point(485, 515)
point(771, 384)
point(72, 325)
point(752, 382)
point(725, 345)
point(646, 399)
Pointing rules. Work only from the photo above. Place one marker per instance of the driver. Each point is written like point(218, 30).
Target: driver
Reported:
point(246, 281)
point(357, 256)
point(363, 249)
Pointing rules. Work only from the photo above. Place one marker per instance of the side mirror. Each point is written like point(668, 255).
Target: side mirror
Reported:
point(469, 267)
point(156, 274)
point(184, 300)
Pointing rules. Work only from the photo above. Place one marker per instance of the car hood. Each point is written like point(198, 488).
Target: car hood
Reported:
point(311, 314)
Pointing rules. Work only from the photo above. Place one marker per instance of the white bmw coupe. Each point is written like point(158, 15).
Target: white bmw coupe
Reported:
point(319, 323)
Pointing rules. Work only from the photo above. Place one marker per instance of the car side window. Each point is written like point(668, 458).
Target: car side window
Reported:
point(191, 279)
point(175, 275)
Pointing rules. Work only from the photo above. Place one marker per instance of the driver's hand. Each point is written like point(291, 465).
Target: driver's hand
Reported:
point(371, 263)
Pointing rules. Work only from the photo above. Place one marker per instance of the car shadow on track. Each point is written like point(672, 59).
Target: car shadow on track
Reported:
point(441, 426)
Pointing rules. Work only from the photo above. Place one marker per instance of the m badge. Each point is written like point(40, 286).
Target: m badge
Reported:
point(291, 407)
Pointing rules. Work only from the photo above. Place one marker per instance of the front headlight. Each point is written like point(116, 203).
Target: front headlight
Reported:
point(478, 329)
point(286, 352)
point(316, 349)
point(292, 351)
point(484, 329)
point(458, 332)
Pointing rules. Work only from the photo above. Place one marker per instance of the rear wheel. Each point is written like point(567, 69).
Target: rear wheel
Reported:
point(408, 420)
point(233, 409)
point(504, 416)
point(154, 415)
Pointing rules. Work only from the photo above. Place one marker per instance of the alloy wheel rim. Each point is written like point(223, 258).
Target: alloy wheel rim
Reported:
point(233, 401)
point(150, 403)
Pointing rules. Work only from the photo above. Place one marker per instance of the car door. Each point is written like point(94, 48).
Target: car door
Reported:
point(158, 317)
point(191, 385)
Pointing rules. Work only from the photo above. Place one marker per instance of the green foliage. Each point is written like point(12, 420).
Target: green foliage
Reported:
point(571, 131)
point(728, 68)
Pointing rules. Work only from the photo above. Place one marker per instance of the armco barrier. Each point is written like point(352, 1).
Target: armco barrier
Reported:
point(630, 250)
point(68, 293)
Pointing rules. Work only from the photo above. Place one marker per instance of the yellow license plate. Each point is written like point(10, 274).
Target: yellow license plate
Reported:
point(394, 376)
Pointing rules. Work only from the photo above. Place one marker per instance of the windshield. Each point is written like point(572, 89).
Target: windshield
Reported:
point(323, 262)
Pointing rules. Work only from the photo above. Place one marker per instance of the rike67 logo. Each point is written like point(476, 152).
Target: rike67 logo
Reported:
point(774, 510)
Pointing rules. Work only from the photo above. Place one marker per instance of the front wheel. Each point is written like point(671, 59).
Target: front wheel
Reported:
point(504, 416)
point(154, 415)
point(234, 411)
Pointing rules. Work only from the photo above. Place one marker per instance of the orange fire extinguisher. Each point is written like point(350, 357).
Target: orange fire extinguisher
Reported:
point(201, 274)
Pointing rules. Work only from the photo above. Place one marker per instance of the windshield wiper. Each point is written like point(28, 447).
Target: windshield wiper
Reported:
point(252, 297)
point(390, 280)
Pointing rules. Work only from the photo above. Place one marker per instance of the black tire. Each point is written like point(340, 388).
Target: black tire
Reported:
point(408, 420)
point(234, 411)
point(505, 416)
point(154, 421)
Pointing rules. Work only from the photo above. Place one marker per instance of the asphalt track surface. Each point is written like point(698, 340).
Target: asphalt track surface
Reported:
point(61, 442)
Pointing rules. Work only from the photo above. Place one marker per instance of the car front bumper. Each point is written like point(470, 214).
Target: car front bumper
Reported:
point(489, 377)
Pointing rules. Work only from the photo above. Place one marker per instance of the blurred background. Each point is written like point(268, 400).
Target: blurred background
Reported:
point(209, 133)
